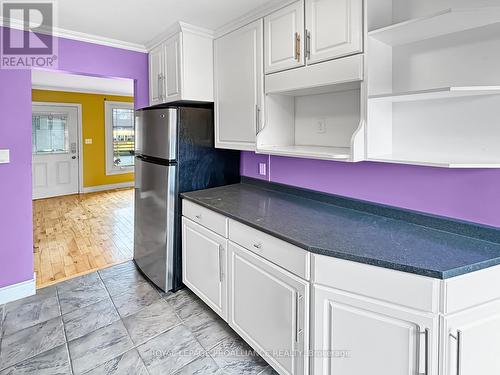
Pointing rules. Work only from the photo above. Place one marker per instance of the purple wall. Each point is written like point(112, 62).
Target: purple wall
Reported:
point(472, 195)
point(16, 222)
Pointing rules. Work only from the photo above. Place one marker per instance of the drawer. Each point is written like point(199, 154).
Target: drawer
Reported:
point(471, 290)
point(401, 288)
point(203, 216)
point(281, 253)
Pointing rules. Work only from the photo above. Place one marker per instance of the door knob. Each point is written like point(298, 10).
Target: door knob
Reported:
point(73, 157)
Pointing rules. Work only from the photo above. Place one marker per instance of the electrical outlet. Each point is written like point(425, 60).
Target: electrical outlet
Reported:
point(321, 126)
point(88, 141)
point(4, 156)
point(262, 169)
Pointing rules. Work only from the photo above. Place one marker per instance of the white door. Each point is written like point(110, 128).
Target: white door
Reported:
point(173, 68)
point(239, 82)
point(268, 307)
point(284, 38)
point(471, 341)
point(335, 29)
point(156, 75)
point(204, 265)
point(55, 151)
point(357, 336)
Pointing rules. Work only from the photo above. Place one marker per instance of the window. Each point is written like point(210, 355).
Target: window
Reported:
point(50, 133)
point(120, 137)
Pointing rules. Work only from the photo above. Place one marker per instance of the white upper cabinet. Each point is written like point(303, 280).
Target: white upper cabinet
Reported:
point(181, 67)
point(173, 67)
point(334, 29)
point(284, 38)
point(239, 91)
point(156, 72)
point(363, 337)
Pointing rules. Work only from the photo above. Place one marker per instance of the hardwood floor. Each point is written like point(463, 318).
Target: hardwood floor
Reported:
point(78, 234)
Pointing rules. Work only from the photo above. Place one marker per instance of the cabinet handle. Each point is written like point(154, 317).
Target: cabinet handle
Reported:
point(297, 47)
point(257, 245)
point(160, 91)
point(308, 44)
point(221, 274)
point(298, 331)
point(458, 338)
point(257, 120)
point(198, 217)
point(426, 353)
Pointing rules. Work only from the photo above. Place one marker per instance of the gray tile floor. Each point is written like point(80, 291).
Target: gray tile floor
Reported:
point(115, 322)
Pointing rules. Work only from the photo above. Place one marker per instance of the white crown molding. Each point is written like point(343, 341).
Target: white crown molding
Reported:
point(175, 29)
point(82, 37)
point(251, 16)
point(81, 91)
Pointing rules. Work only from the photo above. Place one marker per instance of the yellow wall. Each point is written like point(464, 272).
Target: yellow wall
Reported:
point(94, 155)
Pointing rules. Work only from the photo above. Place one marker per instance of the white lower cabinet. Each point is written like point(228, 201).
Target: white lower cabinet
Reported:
point(471, 341)
point(268, 308)
point(204, 265)
point(354, 335)
point(357, 319)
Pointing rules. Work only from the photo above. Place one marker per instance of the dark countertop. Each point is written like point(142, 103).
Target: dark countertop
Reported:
point(333, 230)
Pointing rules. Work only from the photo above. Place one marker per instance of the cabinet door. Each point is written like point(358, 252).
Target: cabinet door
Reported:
point(239, 87)
point(471, 341)
point(284, 38)
point(204, 265)
point(268, 307)
point(335, 28)
point(156, 75)
point(356, 336)
point(173, 68)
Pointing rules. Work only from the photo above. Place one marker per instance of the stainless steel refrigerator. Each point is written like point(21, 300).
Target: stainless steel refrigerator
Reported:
point(174, 153)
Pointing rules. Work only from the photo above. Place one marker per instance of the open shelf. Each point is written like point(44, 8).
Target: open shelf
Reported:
point(439, 160)
point(312, 152)
point(440, 23)
point(438, 93)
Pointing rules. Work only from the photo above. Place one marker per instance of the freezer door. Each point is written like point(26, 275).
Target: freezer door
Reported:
point(156, 133)
point(155, 213)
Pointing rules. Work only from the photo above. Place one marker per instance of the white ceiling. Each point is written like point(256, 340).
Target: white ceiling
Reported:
point(76, 83)
point(139, 21)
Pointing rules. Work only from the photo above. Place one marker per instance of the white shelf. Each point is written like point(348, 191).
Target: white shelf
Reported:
point(313, 152)
point(441, 23)
point(438, 93)
point(438, 160)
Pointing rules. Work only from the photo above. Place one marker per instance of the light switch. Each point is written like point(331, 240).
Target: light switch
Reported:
point(88, 141)
point(262, 169)
point(4, 156)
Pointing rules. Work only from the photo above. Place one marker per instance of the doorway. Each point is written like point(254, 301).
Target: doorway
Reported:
point(56, 140)
point(83, 174)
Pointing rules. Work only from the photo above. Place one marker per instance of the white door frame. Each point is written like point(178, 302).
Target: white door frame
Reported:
point(79, 135)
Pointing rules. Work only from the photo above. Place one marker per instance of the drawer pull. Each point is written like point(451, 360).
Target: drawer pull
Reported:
point(426, 353)
point(221, 274)
point(458, 338)
point(298, 331)
point(257, 245)
point(198, 217)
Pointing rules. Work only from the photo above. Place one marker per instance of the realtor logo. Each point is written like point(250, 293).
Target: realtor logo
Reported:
point(27, 38)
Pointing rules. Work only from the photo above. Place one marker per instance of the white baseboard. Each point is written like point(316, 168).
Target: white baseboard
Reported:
point(93, 189)
point(17, 291)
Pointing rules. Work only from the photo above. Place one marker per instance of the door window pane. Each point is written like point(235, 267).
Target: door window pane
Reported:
point(50, 133)
point(123, 137)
